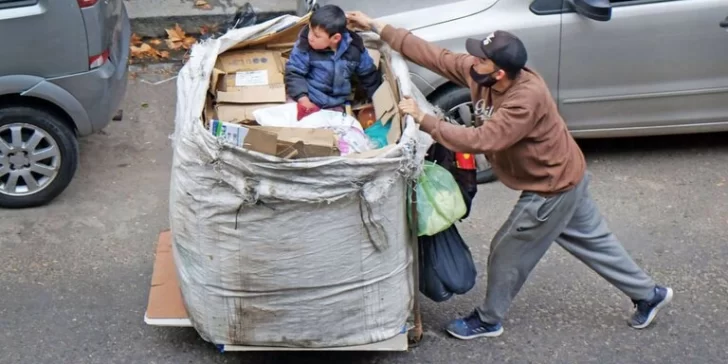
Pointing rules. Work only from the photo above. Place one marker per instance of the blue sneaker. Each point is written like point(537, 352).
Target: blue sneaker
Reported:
point(647, 310)
point(470, 327)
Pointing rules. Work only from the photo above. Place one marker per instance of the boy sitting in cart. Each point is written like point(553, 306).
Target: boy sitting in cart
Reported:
point(323, 61)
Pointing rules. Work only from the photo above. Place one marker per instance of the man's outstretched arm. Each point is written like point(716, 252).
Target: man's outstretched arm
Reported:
point(453, 66)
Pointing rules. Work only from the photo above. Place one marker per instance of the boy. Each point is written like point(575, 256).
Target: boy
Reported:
point(323, 60)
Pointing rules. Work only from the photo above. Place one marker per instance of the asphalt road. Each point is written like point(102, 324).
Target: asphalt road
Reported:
point(74, 275)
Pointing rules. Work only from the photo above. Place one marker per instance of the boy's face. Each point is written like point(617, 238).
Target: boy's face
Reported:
point(319, 40)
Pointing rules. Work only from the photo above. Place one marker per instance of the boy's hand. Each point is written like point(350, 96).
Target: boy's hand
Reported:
point(363, 21)
point(409, 106)
point(306, 103)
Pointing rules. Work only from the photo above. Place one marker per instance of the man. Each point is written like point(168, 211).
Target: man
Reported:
point(530, 150)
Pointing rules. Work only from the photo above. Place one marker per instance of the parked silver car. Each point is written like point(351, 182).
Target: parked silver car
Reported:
point(616, 68)
point(63, 74)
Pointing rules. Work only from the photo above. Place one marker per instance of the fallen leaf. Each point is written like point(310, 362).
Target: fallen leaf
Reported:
point(164, 54)
point(155, 42)
point(178, 39)
point(145, 105)
point(143, 50)
point(188, 42)
point(176, 34)
point(136, 40)
point(173, 45)
point(202, 4)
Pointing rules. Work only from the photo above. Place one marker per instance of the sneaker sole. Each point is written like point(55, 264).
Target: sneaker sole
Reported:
point(485, 334)
point(653, 314)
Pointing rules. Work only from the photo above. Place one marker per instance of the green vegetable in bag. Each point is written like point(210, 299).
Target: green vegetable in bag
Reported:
point(439, 200)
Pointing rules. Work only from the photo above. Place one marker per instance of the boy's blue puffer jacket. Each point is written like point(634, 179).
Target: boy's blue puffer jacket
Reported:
point(325, 76)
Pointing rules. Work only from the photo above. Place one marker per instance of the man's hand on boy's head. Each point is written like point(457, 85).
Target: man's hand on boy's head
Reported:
point(362, 21)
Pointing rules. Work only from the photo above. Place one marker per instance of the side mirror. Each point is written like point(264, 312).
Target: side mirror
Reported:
point(599, 10)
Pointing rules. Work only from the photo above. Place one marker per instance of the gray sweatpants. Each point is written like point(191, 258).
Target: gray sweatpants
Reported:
point(572, 220)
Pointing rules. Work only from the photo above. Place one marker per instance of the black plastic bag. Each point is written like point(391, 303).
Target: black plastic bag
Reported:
point(446, 265)
point(430, 284)
point(245, 16)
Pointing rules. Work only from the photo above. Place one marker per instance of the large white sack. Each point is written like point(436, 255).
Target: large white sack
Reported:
point(301, 253)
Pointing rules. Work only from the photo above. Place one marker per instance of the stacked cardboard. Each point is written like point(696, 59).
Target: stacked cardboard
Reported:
point(250, 76)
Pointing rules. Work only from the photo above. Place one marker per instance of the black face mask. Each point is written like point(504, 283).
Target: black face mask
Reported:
point(486, 80)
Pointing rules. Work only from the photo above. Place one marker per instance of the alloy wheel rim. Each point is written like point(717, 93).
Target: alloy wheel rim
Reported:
point(30, 159)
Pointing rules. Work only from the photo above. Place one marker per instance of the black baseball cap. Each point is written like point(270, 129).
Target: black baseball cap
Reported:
point(501, 47)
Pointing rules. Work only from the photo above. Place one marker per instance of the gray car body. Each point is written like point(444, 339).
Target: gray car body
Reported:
point(47, 44)
point(656, 67)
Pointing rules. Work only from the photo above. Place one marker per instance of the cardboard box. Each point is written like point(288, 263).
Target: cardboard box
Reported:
point(238, 113)
point(384, 103)
point(249, 76)
point(246, 137)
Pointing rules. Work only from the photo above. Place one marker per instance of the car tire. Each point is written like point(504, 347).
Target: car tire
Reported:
point(45, 157)
point(449, 100)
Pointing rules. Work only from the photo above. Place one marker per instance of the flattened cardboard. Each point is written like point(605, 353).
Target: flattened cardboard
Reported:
point(286, 35)
point(245, 136)
point(261, 141)
point(384, 102)
point(248, 68)
point(389, 75)
point(239, 113)
point(316, 142)
point(254, 95)
point(165, 297)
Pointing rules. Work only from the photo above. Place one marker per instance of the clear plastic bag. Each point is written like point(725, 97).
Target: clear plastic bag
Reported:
point(440, 202)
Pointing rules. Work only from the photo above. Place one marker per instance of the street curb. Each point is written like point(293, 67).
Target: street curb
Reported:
point(154, 27)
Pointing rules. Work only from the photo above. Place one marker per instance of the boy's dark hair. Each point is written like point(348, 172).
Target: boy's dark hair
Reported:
point(330, 18)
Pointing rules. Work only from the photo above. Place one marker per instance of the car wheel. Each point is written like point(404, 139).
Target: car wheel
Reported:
point(38, 156)
point(458, 107)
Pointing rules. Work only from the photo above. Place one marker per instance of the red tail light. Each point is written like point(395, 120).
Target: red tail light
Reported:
point(86, 3)
point(465, 161)
point(98, 60)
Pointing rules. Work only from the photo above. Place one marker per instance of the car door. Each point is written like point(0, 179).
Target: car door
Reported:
point(44, 38)
point(655, 65)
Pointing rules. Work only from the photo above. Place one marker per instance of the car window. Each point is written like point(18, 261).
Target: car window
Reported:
point(4, 4)
point(379, 8)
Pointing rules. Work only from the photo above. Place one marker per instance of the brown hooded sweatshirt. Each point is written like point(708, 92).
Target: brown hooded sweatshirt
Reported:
point(524, 139)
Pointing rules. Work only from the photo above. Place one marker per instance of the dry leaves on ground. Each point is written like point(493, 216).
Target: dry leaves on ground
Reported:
point(177, 38)
point(136, 40)
point(202, 4)
point(147, 51)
